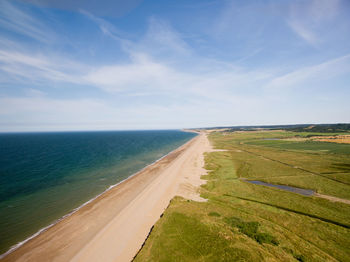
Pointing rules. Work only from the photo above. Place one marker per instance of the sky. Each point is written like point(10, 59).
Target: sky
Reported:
point(165, 64)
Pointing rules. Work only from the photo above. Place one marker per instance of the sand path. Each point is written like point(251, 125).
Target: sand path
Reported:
point(114, 226)
point(333, 198)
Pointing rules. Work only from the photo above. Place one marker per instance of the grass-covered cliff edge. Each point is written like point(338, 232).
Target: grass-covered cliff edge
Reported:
point(248, 222)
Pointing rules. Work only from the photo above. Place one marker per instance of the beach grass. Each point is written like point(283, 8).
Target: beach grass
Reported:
point(248, 222)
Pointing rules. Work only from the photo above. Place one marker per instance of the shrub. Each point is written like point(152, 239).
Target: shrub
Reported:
point(250, 229)
point(214, 214)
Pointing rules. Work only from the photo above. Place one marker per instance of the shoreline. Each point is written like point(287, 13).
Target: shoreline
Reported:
point(44, 229)
point(21, 249)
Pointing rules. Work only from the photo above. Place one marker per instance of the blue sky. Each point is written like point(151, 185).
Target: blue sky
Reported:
point(111, 65)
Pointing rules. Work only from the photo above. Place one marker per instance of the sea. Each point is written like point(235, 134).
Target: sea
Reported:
point(45, 176)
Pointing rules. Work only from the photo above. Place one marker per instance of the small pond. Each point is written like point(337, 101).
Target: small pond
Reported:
point(301, 191)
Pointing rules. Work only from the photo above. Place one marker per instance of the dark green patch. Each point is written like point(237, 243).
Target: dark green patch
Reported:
point(214, 214)
point(297, 256)
point(250, 229)
point(323, 128)
point(344, 167)
point(300, 257)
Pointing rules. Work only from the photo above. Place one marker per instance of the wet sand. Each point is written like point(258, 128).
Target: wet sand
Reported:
point(114, 226)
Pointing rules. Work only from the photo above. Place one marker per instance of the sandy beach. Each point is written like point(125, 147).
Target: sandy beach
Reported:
point(114, 226)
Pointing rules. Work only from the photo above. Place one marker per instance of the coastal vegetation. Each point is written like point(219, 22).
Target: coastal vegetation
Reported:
point(242, 221)
point(309, 128)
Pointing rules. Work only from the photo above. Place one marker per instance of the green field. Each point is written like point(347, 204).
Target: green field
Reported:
point(247, 222)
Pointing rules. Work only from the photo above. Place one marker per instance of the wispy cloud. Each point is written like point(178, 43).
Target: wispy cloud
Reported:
point(161, 37)
point(106, 27)
point(319, 72)
point(307, 19)
point(152, 66)
point(150, 70)
point(15, 19)
point(146, 75)
point(37, 68)
point(141, 74)
point(110, 8)
point(303, 31)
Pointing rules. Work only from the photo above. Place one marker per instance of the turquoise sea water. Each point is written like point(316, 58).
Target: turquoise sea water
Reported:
point(44, 176)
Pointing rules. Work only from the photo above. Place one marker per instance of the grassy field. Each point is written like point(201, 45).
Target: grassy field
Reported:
point(247, 222)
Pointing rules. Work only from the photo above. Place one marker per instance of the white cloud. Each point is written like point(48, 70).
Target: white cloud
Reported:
point(16, 20)
point(161, 38)
point(109, 8)
point(303, 31)
point(317, 72)
point(106, 27)
point(147, 76)
point(307, 19)
point(38, 68)
point(141, 73)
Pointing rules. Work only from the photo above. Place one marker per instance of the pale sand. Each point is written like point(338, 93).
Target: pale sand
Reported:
point(114, 226)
